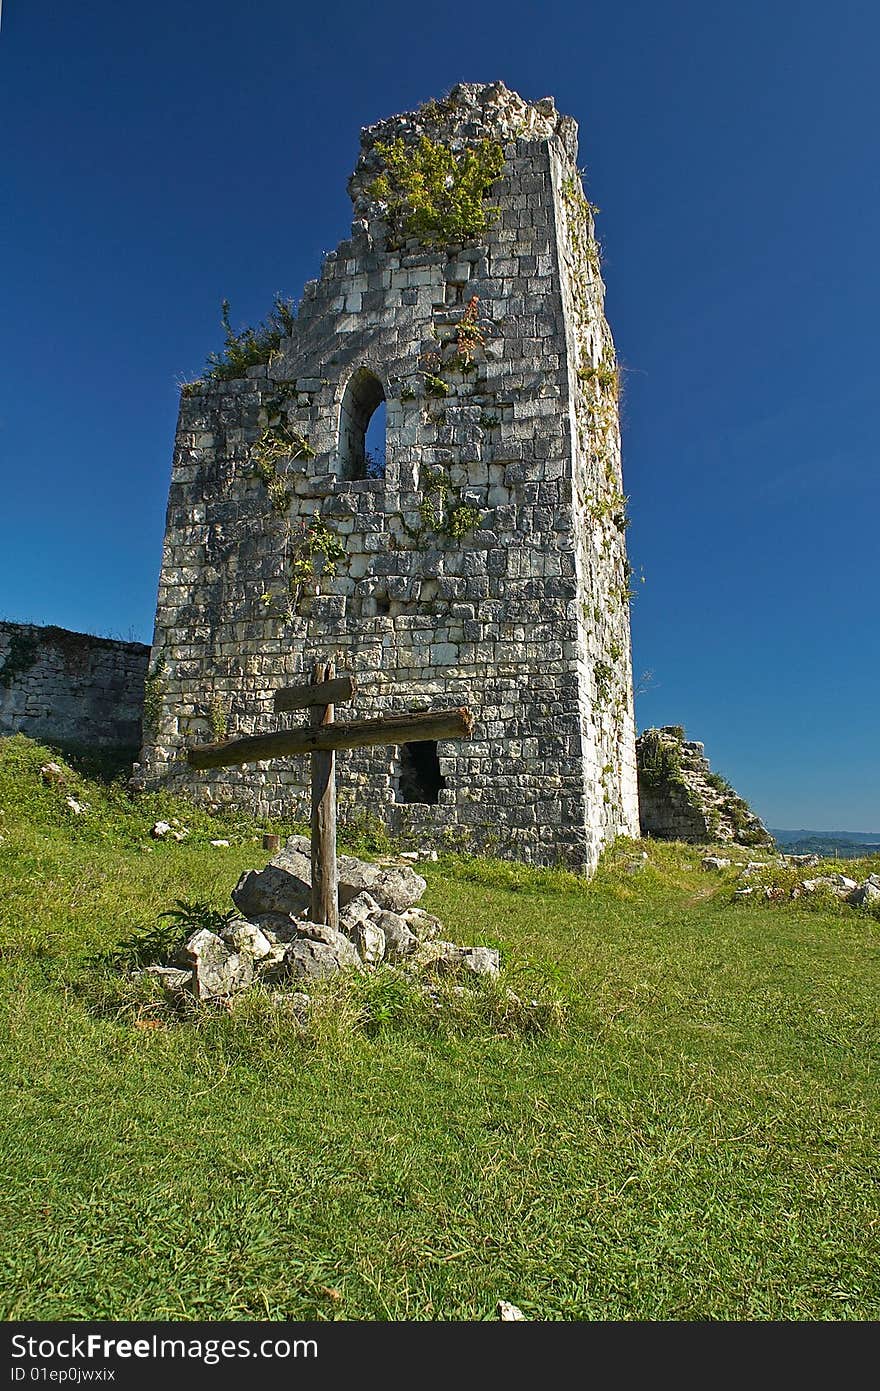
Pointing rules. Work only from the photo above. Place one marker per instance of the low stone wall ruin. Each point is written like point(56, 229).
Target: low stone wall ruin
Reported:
point(71, 688)
point(680, 798)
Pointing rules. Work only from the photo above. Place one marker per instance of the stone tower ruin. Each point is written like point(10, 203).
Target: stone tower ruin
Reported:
point(481, 561)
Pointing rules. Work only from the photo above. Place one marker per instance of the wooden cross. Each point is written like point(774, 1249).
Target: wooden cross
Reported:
point(320, 738)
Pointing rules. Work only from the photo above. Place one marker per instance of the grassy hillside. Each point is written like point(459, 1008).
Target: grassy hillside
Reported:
point(694, 1137)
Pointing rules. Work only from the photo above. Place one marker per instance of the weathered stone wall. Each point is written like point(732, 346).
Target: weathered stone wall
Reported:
point(487, 567)
point(71, 687)
point(680, 798)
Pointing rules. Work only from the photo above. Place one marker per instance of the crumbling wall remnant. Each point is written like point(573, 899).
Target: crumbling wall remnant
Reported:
point(71, 688)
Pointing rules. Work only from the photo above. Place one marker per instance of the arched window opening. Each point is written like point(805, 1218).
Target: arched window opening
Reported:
point(420, 776)
point(362, 428)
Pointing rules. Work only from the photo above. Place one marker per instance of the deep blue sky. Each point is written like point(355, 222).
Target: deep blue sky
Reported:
point(156, 158)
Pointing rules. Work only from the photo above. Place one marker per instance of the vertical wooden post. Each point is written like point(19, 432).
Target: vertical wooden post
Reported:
point(325, 881)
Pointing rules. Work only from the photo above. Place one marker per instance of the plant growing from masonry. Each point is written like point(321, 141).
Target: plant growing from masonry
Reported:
point(605, 376)
point(315, 551)
point(603, 674)
point(469, 332)
point(429, 369)
point(278, 443)
point(429, 192)
point(22, 654)
point(580, 215)
point(249, 347)
point(599, 383)
point(442, 510)
point(218, 717)
point(155, 687)
point(660, 760)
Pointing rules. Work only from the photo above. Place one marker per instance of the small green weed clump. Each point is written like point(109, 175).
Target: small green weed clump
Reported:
point(660, 760)
point(20, 657)
point(470, 333)
point(365, 833)
point(442, 510)
point(156, 945)
point(250, 347)
point(155, 687)
point(316, 550)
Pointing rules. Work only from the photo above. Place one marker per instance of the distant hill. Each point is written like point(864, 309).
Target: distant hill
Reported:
point(847, 845)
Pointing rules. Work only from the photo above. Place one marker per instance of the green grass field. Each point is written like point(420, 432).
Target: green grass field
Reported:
point(696, 1137)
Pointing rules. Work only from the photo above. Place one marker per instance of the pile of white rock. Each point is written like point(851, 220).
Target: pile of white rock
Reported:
point(860, 895)
point(274, 943)
point(864, 894)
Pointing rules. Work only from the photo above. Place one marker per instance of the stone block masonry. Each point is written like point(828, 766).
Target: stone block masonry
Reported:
point(71, 688)
point(681, 798)
point(486, 567)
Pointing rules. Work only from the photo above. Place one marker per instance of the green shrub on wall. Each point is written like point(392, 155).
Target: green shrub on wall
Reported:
point(431, 193)
point(22, 654)
point(250, 347)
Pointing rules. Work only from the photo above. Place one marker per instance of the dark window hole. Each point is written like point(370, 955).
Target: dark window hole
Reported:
point(420, 776)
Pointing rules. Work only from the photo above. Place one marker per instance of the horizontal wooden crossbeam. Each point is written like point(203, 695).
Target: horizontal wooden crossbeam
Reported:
point(457, 723)
point(315, 693)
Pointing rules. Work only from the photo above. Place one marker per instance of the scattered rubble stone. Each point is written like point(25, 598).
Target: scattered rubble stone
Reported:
point(395, 887)
point(272, 965)
point(509, 1313)
point(274, 889)
point(837, 884)
point(359, 909)
point(867, 894)
point(482, 961)
point(369, 939)
point(173, 978)
point(241, 936)
point(714, 862)
point(423, 925)
point(312, 958)
point(278, 927)
point(400, 941)
point(328, 937)
point(216, 971)
point(440, 955)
